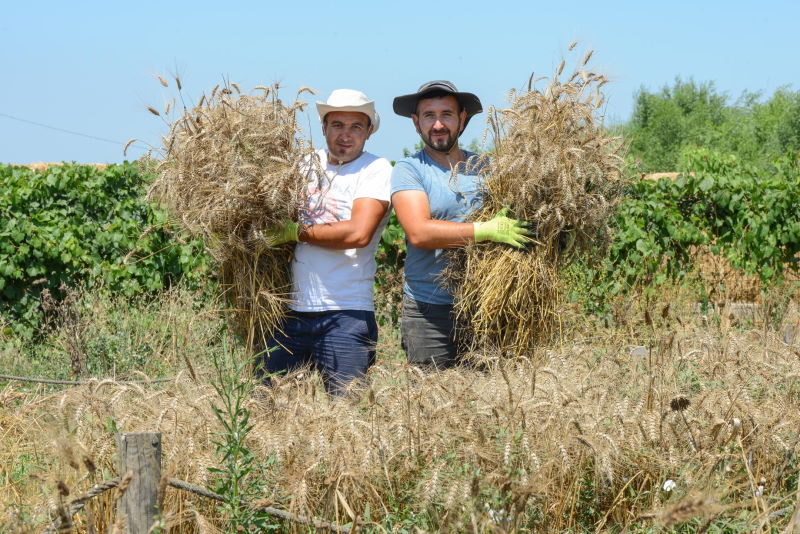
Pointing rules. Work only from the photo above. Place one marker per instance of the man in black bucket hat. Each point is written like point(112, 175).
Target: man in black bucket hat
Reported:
point(433, 192)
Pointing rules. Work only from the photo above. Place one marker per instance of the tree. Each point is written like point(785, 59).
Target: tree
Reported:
point(669, 124)
point(663, 123)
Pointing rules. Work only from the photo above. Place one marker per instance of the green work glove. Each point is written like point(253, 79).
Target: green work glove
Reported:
point(502, 229)
point(284, 232)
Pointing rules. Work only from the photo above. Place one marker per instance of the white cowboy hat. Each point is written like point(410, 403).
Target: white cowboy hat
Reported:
point(350, 100)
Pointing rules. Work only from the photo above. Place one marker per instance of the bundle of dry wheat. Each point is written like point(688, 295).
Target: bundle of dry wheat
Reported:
point(554, 164)
point(232, 165)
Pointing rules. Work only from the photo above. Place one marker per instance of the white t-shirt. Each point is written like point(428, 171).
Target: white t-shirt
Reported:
point(329, 279)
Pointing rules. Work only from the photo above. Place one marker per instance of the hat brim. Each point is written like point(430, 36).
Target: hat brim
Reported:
point(406, 105)
point(367, 109)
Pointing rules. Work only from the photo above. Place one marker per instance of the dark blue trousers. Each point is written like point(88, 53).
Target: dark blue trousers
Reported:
point(340, 344)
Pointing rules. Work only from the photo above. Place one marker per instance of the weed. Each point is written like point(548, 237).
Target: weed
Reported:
point(240, 479)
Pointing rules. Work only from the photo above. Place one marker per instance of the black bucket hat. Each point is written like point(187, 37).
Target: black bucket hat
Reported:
point(406, 105)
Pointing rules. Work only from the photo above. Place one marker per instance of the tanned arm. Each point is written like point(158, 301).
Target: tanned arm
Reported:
point(357, 232)
point(414, 213)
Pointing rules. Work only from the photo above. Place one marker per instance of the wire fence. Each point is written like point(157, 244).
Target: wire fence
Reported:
point(54, 381)
point(64, 517)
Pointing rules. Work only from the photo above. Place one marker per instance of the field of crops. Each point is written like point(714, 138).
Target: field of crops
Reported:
point(676, 417)
point(667, 398)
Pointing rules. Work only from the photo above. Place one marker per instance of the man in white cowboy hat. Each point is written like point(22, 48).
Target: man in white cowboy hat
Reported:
point(332, 320)
point(432, 203)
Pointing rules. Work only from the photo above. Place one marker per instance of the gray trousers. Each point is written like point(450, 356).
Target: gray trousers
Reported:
point(428, 334)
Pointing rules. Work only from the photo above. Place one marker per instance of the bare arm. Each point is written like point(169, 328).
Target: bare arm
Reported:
point(356, 232)
point(414, 213)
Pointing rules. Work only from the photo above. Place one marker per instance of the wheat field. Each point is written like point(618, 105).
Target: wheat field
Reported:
point(676, 418)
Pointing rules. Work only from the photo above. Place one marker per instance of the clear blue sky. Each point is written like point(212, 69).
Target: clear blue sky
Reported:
point(91, 69)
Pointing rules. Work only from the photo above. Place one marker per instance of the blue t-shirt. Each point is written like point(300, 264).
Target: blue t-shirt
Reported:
point(451, 199)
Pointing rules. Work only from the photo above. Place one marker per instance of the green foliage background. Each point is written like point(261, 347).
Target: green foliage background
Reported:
point(739, 194)
point(71, 226)
point(75, 225)
point(732, 208)
point(668, 124)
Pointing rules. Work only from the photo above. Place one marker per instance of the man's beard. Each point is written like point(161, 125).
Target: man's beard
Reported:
point(445, 146)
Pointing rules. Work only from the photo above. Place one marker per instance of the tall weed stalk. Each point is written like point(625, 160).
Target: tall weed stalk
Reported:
point(240, 477)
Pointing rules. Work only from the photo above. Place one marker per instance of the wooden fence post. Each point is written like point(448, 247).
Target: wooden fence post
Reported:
point(140, 452)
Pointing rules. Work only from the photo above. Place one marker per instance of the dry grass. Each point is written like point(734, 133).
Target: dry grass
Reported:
point(555, 165)
point(582, 436)
point(100, 334)
point(230, 167)
point(723, 281)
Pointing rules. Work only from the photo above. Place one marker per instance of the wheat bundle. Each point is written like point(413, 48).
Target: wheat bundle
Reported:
point(555, 165)
point(232, 166)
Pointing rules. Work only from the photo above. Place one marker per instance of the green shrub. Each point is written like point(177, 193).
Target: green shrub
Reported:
point(687, 115)
point(390, 257)
point(77, 225)
point(738, 210)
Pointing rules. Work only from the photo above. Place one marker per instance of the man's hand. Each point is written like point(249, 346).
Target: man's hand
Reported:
point(284, 232)
point(502, 229)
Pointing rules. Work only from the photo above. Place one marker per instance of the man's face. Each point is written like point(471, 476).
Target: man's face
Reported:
point(439, 122)
point(346, 132)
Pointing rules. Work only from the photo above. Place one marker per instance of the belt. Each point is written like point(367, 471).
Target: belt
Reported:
point(313, 313)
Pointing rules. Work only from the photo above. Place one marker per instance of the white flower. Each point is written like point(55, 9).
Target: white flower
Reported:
point(498, 516)
point(759, 491)
point(737, 422)
point(669, 485)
